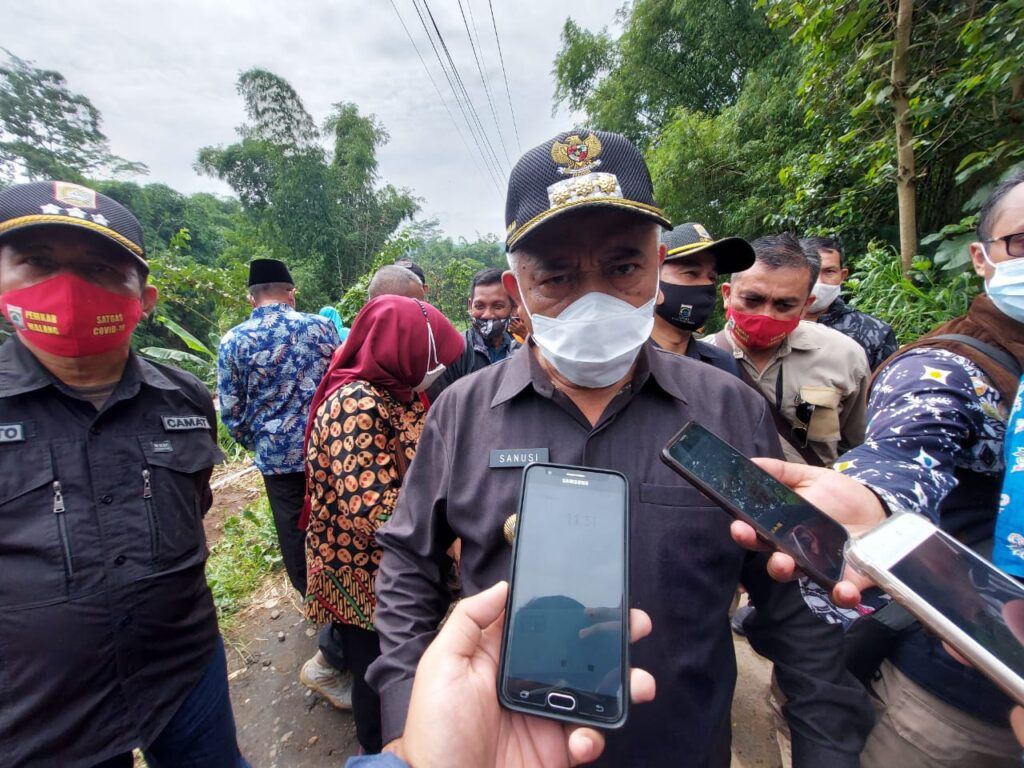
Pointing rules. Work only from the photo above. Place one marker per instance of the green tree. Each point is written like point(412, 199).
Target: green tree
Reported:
point(47, 131)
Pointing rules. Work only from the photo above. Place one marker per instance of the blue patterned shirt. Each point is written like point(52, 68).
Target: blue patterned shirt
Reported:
point(267, 371)
point(1008, 552)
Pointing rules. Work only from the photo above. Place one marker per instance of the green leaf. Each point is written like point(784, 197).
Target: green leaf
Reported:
point(953, 254)
point(190, 341)
point(164, 355)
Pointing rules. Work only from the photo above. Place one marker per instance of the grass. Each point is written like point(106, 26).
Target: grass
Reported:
point(246, 553)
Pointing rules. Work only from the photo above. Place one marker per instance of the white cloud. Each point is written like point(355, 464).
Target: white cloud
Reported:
point(163, 76)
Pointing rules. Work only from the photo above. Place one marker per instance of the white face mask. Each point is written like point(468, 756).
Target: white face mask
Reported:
point(824, 295)
point(432, 374)
point(1006, 288)
point(594, 341)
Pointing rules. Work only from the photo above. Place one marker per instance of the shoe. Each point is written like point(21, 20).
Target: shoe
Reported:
point(320, 677)
point(739, 617)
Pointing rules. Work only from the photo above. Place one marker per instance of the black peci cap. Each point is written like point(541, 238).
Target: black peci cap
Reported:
point(269, 271)
point(732, 254)
point(62, 203)
point(577, 169)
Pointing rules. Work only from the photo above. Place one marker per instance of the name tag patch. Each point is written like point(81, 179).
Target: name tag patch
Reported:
point(184, 423)
point(517, 457)
point(162, 446)
point(12, 433)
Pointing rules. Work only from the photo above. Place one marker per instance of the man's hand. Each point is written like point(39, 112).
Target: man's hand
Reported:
point(454, 716)
point(844, 499)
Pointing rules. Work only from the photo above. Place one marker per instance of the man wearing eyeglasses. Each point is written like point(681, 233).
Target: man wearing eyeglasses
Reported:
point(813, 377)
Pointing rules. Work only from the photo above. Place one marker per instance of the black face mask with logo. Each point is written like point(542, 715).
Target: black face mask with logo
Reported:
point(491, 330)
point(687, 307)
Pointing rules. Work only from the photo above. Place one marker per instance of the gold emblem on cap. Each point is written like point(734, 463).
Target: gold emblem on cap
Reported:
point(577, 155)
point(509, 528)
point(74, 194)
point(702, 232)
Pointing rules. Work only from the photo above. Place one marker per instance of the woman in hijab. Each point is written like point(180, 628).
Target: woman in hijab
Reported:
point(332, 314)
point(364, 424)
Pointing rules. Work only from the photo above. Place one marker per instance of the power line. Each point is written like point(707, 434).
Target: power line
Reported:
point(462, 86)
point(433, 83)
point(489, 163)
point(501, 58)
point(483, 79)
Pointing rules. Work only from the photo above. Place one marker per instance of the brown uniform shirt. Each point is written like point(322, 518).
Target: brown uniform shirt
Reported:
point(684, 565)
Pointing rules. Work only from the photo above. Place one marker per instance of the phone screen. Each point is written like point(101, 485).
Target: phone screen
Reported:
point(979, 599)
point(567, 620)
point(798, 528)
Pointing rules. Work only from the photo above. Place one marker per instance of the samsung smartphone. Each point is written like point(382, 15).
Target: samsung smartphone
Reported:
point(565, 648)
point(958, 595)
point(750, 494)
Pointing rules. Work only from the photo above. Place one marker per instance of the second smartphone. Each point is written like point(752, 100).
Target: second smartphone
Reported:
point(750, 494)
point(565, 649)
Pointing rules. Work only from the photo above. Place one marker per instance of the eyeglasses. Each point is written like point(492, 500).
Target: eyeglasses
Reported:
point(804, 411)
point(1014, 244)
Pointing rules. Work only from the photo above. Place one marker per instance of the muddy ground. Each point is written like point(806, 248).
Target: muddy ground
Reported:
point(283, 725)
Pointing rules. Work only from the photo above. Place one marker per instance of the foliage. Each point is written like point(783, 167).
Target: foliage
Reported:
point(672, 53)
point(319, 210)
point(247, 551)
point(49, 132)
point(913, 304)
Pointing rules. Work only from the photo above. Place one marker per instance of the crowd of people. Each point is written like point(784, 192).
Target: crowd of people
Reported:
point(392, 454)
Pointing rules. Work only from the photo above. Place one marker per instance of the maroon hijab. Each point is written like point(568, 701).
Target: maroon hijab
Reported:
point(390, 347)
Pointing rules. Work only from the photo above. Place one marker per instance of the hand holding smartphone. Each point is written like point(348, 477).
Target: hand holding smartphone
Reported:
point(748, 493)
point(564, 651)
point(958, 595)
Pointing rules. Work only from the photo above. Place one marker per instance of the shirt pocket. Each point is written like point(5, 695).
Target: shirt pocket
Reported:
point(824, 426)
point(36, 560)
point(172, 484)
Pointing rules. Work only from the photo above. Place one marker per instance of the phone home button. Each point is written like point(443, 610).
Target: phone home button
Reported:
point(562, 701)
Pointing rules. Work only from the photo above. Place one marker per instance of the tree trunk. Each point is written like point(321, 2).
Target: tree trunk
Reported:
point(905, 181)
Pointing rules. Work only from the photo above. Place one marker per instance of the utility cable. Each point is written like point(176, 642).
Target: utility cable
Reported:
point(501, 58)
point(483, 80)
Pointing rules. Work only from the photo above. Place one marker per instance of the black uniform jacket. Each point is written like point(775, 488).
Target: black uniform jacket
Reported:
point(684, 565)
point(106, 622)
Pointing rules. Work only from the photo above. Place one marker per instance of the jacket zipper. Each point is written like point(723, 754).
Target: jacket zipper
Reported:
point(147, 500)
point(62, 527)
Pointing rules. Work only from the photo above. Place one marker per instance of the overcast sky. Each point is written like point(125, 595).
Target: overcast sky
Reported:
point(163, 77)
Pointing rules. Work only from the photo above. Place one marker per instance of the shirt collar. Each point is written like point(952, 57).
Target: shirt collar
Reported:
point(522, 370)
point(268, 309)
point(21, 372)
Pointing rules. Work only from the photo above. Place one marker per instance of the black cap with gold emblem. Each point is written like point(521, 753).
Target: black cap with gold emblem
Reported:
point(575, 170)
point(732, 254)
point(62, 203)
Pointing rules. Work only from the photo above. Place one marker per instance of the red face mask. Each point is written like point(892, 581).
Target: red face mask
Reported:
point(759, 331)
point(70, 317)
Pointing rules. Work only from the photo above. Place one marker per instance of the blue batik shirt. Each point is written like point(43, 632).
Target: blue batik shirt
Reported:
point(267, 371)
point(1008, 548)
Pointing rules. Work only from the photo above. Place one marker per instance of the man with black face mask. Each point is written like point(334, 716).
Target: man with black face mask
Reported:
point(687, 291)
point(487, 338)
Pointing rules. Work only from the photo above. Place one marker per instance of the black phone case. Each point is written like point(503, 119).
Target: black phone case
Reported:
point(516, 706)
point(734, 511)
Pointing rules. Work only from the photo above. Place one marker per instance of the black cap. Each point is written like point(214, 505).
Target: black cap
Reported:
point(269, 271)
point(62, 203)
point(574, 170)
point(732, 254)
point(413, 267)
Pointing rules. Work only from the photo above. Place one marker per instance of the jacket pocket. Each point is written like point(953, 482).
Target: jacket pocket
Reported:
point(171, 487)
point(824, 426)
point(36, 556)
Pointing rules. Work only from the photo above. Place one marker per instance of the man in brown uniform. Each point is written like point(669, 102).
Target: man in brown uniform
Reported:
point(592, 390)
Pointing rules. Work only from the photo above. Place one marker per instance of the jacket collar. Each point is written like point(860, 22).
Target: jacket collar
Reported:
point(522, 370)
point(21, 372)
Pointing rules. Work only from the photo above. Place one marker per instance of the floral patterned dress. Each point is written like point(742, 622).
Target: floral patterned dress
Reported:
point(361, 441)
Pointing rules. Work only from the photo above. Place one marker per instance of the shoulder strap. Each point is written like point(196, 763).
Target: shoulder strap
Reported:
point(783, 427)
point(998, 354)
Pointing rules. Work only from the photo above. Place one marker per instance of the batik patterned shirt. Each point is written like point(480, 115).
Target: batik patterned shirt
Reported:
point(874, 335)
point(932, 413)
point(1008, 550)
point(268, 369)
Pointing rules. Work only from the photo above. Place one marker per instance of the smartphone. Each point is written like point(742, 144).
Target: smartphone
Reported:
point(748, 493)
point(958, 595)
point(565, 648)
